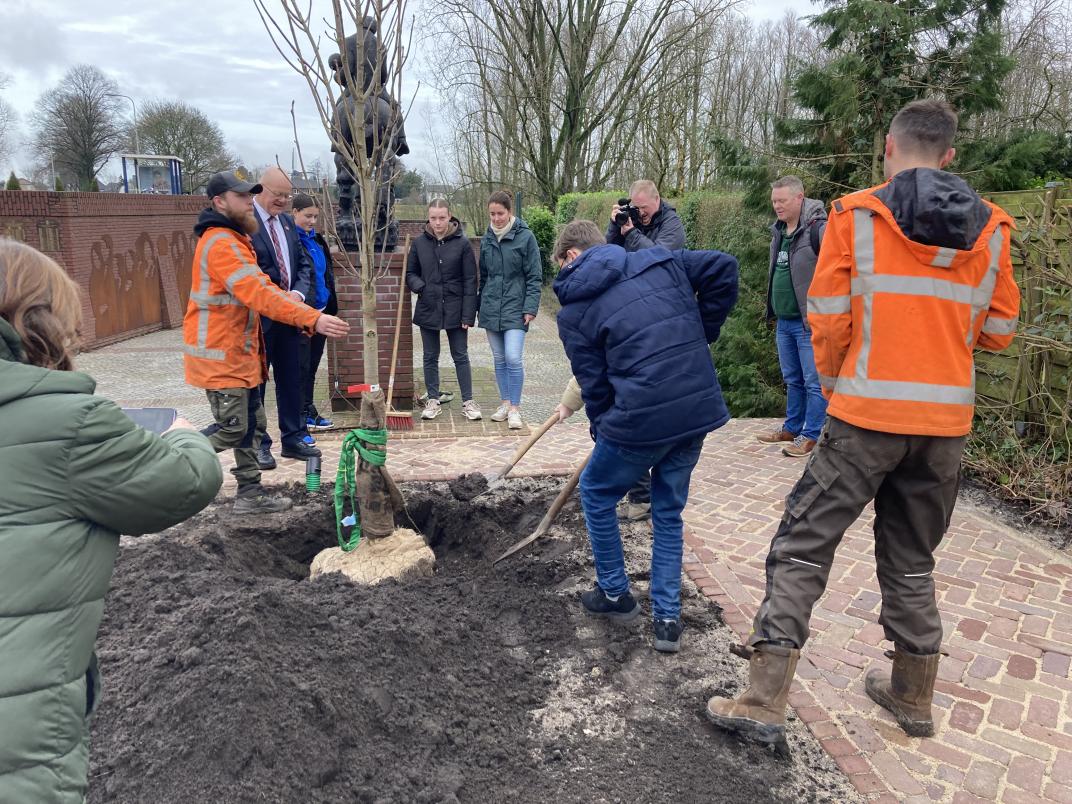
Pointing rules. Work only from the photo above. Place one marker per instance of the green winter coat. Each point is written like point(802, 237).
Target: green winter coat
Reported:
point(511, 272)
point(75, 472)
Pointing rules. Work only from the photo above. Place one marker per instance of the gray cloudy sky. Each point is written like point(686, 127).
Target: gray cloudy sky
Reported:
point(216, 56)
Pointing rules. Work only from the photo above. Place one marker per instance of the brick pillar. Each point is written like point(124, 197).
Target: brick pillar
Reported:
point(349, 365)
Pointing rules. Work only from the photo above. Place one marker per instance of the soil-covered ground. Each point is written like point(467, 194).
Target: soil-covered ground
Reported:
point(1051, 523)
point(230, 677)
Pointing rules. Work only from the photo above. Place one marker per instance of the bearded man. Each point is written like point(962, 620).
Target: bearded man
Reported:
point(223, 344)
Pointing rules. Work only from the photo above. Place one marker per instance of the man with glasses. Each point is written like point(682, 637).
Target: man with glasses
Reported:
point(282, 257)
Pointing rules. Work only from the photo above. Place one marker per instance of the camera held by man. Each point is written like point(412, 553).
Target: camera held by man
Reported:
point(644, 220)
point(625, 212)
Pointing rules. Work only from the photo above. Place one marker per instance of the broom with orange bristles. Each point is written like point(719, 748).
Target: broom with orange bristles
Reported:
point(398, 419)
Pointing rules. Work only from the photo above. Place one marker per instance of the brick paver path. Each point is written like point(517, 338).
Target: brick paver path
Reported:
point(1003, 704)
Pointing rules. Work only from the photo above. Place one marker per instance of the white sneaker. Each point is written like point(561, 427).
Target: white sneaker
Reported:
point(471, 411)
point(500, 413)
point(431, 409)
point(514, 420)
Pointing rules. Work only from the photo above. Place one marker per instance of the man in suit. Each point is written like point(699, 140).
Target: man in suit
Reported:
point(282, 257)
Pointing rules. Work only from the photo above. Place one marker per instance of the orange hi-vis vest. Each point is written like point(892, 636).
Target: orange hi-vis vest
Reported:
point(222, 327)
point(894, 322)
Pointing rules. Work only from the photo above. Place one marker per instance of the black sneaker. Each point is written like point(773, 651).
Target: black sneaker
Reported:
point(300, 451)
point(264, 458)
point(668, 635)
point(596, 602)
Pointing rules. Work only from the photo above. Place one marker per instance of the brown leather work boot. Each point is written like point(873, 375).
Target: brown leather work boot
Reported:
point(758, 714)
point(800, 448)
point(776, 437)
point(908, 692)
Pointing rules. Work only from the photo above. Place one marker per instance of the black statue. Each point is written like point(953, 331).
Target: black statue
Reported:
point(383, 123)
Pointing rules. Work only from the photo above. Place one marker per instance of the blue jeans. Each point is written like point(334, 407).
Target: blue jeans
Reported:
point(611, 472)
point(805, 409)
point(506, 350)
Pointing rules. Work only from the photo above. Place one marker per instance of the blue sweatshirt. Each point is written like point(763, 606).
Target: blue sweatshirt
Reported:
point(320, 267)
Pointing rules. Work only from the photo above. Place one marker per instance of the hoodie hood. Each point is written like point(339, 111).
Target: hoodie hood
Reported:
point(812, 210)
point(598, 268)
point(19, 379)
point(210, 218)
point(454, 229)
point(935, 208)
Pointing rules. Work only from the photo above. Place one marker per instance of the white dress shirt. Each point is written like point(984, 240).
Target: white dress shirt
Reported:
point(268, 220)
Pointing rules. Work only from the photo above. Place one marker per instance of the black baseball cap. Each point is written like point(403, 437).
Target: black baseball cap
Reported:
point(220, 183)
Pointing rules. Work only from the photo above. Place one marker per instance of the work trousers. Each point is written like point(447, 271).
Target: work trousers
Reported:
point(913, 481)
point(238, 414)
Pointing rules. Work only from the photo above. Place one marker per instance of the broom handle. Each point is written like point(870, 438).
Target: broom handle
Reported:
point(398, 327)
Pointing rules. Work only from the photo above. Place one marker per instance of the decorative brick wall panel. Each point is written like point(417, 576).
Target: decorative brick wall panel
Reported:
point(130, 254)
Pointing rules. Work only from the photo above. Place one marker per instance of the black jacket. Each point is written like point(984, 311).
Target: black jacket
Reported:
point(665, 229)
point(443, 275)
point(301, 267)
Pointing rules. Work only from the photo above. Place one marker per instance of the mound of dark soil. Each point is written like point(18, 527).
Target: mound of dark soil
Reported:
point(468, 486)
point(229, 677)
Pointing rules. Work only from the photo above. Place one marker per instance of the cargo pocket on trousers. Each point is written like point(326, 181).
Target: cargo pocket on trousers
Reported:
point(819, 476)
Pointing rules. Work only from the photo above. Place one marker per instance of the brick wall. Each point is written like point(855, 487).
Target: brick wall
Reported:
point(348, 367)
point(350, 353)
point(130, 254)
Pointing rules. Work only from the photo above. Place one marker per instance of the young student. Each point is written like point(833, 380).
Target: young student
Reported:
point(442, 272)
point(637, 329)
point(511, 272)
point(306, 216)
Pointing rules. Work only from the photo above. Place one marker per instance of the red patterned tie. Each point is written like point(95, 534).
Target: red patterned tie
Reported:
point(284, 277)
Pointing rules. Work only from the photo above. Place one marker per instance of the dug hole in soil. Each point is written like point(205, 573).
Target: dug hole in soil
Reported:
point(228, 676)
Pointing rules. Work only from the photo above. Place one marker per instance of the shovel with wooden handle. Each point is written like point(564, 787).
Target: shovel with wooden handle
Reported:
point(496, 479)
point(552, 512)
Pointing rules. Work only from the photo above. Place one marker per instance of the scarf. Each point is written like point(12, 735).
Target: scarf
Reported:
point(501, 233)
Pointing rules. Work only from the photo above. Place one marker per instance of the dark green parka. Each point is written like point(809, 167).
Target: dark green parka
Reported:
point(511, 272)
point(75, 472)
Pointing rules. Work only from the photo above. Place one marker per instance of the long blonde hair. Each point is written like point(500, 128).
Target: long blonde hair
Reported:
point(41, 303)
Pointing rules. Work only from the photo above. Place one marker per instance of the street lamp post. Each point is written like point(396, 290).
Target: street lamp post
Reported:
point(137, 144)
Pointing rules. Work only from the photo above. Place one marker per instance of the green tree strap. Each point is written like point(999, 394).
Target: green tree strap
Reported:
point(345, 480)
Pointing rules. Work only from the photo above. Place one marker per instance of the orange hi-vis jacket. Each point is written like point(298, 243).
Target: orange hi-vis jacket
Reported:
point(894, 321)
point(222, 326)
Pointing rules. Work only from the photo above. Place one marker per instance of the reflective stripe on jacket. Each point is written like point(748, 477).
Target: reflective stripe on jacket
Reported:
point(221, 330)
point(894, 321)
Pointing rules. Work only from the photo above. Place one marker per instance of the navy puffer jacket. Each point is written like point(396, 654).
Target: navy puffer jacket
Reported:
point(636, 328)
